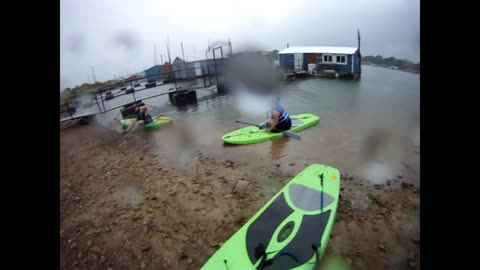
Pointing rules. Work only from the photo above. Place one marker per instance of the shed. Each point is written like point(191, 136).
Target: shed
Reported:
point(343, 60)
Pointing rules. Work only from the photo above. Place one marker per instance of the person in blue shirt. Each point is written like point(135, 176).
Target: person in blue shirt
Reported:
point(279, 120)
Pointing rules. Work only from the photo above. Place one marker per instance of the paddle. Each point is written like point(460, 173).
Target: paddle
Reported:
point(153, 119)
point(286, 132)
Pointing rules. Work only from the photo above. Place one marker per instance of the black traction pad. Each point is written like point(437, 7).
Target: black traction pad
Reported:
point(262, 229)
point(260, 232)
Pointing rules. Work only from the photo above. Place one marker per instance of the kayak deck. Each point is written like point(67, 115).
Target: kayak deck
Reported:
point(253, 134)
point(160, 121)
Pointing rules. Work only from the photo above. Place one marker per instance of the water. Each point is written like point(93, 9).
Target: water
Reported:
point(369, 128)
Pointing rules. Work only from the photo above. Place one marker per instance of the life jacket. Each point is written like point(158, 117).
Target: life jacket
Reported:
point(283, 114)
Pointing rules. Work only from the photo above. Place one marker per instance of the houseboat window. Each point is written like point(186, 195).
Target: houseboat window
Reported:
point(340, 59)
point(327, 58)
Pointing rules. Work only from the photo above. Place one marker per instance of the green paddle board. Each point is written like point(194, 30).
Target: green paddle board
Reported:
point(290, 231)
point(253, 134)
point(160, 121)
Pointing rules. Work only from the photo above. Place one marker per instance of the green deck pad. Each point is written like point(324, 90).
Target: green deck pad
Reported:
point(300, 247)
point(262, 229)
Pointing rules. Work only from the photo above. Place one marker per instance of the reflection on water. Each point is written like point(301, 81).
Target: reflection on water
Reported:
point(278, 147)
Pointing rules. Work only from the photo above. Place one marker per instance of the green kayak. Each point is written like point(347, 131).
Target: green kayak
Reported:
point(290, 231)
point(253, 134)
point(160, 121)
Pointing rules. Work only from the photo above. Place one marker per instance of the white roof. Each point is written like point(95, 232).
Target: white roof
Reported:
point(317, 49)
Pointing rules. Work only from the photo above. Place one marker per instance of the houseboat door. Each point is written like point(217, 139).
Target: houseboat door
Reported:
point(198, 69)
point(298, 58)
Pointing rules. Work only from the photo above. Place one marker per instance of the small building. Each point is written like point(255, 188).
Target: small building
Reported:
point(154, 73)
point(184, 70)
point(178, 61)
point(167, 71)
point(159, 72)
point(196, 68)
point(179, 68)
point(345, 61)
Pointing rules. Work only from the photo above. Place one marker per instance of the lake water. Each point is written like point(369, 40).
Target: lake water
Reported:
point(369, 128)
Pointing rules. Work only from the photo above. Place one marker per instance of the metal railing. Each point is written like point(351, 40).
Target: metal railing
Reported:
point(71, 108)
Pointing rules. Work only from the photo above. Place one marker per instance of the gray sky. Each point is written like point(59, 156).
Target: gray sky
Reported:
point(117, 37)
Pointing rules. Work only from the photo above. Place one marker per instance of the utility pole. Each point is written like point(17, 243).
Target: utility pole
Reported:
point(93, 75)
point(230, 44)
point(154, 55)
point(168, 52)
point(183, 55)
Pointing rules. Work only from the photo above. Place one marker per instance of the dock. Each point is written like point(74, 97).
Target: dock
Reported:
point(118, 96)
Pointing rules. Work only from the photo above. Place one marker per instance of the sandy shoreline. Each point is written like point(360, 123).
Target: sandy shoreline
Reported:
point(124, 206)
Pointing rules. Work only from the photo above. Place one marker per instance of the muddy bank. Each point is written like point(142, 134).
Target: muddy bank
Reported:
point(125, 206)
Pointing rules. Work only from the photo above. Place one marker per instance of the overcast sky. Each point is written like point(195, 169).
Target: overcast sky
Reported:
point(117, 37)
